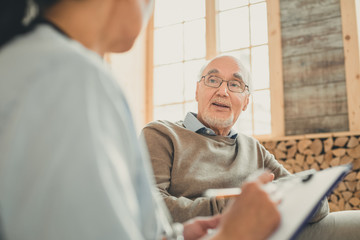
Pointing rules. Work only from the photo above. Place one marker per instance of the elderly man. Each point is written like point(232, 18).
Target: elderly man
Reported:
point(204, 152)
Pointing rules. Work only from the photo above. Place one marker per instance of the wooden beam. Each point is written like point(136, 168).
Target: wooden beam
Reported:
point(352, 61)
point(275, 65)
point(210, 18)
point(149, 82)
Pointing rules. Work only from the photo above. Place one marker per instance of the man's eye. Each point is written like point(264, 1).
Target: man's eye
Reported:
point(213, 80)
point(235, 84)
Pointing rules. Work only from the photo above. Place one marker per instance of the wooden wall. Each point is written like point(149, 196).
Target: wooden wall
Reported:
point(315, 98)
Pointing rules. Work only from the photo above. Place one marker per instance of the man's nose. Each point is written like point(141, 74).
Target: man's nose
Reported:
point(223, 89)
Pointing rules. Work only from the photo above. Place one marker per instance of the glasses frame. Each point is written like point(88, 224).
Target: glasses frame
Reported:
point(227, 83)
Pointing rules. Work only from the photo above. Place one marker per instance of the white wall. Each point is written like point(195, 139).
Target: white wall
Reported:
point(130, 71)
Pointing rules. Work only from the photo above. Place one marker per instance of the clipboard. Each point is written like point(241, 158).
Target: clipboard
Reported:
point(300, 201)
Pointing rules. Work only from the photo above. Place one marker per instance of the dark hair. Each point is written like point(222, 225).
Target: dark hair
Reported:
point(12, 13)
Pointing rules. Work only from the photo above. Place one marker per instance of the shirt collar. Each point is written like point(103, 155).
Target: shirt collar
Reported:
point(53, 25)
point(193, 124)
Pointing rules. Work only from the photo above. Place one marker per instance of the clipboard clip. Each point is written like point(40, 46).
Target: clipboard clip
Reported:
point(307, 178)
point(304, 176)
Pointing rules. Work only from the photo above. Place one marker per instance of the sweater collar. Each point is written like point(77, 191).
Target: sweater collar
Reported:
point(193, 124)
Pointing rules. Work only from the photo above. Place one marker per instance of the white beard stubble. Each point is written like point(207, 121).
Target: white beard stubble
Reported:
point(218, 123)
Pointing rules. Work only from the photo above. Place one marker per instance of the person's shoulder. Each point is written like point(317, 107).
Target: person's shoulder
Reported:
point(243, 138)
point(164, 124)
point(47, 49)
point(163, 129)
point(74, 64)
point(54, 64)
point(77, 56)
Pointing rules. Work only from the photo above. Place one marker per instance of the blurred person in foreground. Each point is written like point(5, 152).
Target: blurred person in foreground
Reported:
point(71, 166)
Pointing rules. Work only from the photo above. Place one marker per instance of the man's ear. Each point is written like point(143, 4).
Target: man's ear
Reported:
point(246, 102)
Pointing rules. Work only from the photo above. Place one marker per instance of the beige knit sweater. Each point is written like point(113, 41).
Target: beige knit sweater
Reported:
point(185, 164)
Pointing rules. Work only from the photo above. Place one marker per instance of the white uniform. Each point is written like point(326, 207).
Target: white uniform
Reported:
point(71, 166)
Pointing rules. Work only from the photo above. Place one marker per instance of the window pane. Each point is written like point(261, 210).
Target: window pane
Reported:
point(234, 29)
point(262, 115)
point(168, 44)
point(258, 21)
point(168, 84)
point(244, 122)
point(193, 9)
point(260, 67)
point(170, 112)
point(191, 76)
point(167, 12)
point(228, 4)
point(191, 107)
point(194, 37)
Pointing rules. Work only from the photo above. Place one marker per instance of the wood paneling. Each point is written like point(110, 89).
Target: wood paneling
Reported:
point(316, 100)
point(311, 11)
point(313, 67)
point(319, 36)
point(323, 124)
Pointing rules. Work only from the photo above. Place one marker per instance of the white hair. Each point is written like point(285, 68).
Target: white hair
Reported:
point(244, 72)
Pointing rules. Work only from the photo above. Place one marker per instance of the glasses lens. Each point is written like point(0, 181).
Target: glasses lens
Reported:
point(236, 86)
point(213, 81)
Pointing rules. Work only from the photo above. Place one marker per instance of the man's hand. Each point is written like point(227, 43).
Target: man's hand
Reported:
point(198, 227)
point(252, 214)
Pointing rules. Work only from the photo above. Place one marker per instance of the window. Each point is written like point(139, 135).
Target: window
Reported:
point(247, 40)
point(180, 50)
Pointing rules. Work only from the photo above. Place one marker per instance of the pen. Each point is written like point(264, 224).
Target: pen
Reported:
point(275, 189)
point(270, 188)
point(222, 192)
point(231, 192)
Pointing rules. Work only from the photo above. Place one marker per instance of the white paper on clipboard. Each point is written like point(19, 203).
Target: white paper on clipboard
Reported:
point(300, 201)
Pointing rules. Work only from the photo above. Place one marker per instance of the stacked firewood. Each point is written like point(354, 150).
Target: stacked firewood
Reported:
point(320, 153)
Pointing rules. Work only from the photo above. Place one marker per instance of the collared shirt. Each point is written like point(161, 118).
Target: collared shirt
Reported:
point(193, 124)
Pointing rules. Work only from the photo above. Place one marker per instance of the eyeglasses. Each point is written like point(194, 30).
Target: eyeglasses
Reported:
point(233, 85)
